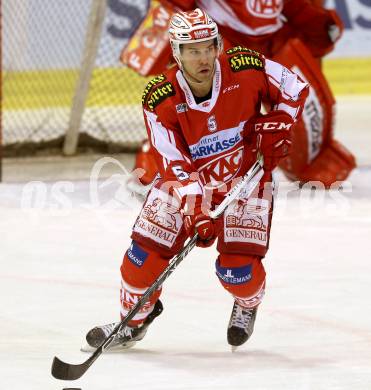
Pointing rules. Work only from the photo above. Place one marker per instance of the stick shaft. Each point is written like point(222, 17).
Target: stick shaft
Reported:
point(66, 371)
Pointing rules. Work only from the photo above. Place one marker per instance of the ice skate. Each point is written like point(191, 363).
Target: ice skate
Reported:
point(125, 338)
point(241, 325)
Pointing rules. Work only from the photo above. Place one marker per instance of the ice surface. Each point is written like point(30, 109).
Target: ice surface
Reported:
point(60, 276)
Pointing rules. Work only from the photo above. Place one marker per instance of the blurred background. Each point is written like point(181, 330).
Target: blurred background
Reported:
point(70, 112)
point(62, 78)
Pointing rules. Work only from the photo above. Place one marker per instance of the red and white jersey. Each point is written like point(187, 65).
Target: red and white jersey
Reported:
point(207, 138)
point(265, 25)
point(249, 17)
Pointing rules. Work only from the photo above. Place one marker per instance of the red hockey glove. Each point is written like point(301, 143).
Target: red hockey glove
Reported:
point(319, 28)
point(273, 136)
point(200, 223)
point(335, 26)
point(332, 29)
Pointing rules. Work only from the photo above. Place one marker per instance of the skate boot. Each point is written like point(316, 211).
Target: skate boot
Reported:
point(125, 338)
point(241, 325)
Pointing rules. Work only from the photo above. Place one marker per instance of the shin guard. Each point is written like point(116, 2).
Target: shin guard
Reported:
point(139, 269)
point(243, 276)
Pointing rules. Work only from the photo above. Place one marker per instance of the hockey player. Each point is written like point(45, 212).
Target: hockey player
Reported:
point(205, 127)
point(296, 34)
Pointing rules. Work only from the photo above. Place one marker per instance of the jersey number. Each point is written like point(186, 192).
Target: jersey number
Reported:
point(179, 173)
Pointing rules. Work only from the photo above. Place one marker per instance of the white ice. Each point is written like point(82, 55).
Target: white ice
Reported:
point(60, 276)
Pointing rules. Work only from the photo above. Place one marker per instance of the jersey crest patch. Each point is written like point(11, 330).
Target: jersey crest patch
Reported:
point(156, 91)
point(265, 9)
point(242, 58)
point(244, 61)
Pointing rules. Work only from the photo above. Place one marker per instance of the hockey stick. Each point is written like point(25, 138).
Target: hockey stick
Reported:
point(246, 185)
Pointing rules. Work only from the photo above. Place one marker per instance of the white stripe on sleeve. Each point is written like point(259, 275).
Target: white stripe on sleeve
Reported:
point(287, 82)
point(190, 189)
point(292, 111)
point(163, 139)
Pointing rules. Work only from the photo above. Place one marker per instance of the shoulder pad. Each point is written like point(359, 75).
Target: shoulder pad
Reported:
point(156, 91)
point(241, 58)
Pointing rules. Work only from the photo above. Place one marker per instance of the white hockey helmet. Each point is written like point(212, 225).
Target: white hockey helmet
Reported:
point(192, 26)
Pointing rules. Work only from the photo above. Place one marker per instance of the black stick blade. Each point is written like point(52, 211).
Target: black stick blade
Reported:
point(66, 371)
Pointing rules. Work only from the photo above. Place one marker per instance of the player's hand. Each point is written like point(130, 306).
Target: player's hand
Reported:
point(273, 136)
point(201, 223)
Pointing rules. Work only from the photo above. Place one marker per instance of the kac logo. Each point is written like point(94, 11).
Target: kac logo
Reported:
point(265, 8)
point(181, 107)
point(211, 123)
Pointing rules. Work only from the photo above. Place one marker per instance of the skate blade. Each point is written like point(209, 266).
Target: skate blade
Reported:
point(233, 348)
point(115, 348)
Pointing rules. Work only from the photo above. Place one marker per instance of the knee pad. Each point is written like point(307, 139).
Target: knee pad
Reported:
point(140, 268)
point(243, 276)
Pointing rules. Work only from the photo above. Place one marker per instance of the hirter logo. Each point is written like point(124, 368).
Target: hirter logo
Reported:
point(265, 8)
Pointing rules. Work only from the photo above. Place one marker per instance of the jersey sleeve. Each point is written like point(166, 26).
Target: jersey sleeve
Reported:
point(282, 89)
point(285, 89)
point(170, 148)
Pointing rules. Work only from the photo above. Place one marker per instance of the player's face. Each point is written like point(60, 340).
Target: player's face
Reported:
point(198, 59)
